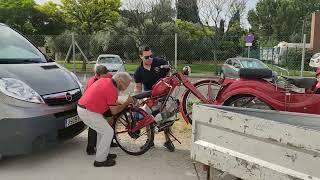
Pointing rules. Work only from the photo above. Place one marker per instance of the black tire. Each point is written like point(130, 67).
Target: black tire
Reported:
point(248, 101)
point(126, 117)
point(185, 103)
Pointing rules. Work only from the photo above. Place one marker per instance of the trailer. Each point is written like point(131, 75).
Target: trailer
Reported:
point(238, 143)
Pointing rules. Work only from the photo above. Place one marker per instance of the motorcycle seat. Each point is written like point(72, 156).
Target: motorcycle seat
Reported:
point(302, 82)
point(142, 95)
point(250, 73)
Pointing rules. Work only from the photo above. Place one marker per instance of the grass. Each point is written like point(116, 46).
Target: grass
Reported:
point(292, 72)
point(195, 68)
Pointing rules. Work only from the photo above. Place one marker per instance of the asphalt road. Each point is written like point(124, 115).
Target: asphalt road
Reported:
point(69, 161)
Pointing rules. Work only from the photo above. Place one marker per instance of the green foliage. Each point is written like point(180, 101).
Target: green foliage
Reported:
point(193, 31)
point(29, 18)
point(282, 19)
point(294, 59)
point(50, 20)
point(18, 14)
point(188, 11)
point(194, 41)
point(87, 17)
point(59, 44)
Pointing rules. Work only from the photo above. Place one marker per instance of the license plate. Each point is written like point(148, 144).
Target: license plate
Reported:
point(71, 121)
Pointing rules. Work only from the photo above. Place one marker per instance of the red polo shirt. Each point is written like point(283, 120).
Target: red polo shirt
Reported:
point(94, 79)
point(101, 94)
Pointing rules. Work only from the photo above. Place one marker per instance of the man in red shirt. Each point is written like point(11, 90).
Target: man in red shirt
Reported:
point(101, 71)
point(101, 98)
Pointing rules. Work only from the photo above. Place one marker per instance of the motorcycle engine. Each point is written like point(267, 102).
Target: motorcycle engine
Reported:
point(168, 113)
point(170, 110)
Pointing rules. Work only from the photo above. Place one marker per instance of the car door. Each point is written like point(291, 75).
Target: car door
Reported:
point(235, 68)
point(227, 68)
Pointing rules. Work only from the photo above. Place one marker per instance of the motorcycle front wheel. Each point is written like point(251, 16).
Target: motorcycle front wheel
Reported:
point(204, 87)
point(134, 143)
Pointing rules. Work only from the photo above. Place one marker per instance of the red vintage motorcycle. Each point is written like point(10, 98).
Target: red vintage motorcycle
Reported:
point(256, 88)
point(157, 109)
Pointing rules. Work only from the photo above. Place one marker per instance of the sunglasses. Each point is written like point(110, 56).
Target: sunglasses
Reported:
point(148, 57)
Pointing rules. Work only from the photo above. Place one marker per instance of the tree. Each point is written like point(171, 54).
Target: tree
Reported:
point(282, 20)
point(188, 11)
point(29, 18)
point(194, 41)
point(223, 16)
point(18, 14)
point(214, 12)
point(91, 16)
point(148, 21)
point(49, 19)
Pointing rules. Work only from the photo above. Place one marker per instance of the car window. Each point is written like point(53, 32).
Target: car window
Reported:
point(110, 60)
point(229, 62)
point(236, 64)
point(14, 48)
point(254, 64)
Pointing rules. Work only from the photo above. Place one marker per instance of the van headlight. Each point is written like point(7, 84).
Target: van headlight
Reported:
point(78, 81)
point(19, 90)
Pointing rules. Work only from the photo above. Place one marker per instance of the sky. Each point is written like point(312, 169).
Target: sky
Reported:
point(251, 5)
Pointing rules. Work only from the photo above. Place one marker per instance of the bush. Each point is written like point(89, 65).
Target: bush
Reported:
point(294, 59)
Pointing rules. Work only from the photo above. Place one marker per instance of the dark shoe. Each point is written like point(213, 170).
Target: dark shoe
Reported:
point(91, 150)
point(113, 144)
point(112, 156)
point(106, 163)
point(169, 145)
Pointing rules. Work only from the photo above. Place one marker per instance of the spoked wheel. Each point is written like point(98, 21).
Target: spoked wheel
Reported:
point(133, 143)
point(208, 88)
point(247, 101)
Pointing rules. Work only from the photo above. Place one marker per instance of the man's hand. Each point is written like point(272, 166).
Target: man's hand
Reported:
point(130, 100)
point(138, 88)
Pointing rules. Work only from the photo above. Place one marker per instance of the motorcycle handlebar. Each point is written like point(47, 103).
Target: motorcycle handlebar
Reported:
point(165, 66)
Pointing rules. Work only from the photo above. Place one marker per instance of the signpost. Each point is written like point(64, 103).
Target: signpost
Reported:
point(249, 39)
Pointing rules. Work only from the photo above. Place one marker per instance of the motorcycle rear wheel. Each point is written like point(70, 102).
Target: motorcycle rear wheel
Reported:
point(134, 143)
point(247, 101)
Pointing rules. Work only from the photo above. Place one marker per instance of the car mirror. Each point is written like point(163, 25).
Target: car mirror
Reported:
point(123, 62)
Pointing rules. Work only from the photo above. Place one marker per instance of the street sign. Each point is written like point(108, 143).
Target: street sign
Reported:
point(249, 38)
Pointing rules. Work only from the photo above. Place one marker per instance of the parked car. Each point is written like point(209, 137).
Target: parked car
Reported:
point(38, 97)
point(113, 62)
point(232, 66)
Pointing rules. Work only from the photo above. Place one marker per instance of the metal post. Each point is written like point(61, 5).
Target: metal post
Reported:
point(73, 53)
point(303, 25)
point(176, 39)
point(303, 54)
point(176, 50)
point(248, 51)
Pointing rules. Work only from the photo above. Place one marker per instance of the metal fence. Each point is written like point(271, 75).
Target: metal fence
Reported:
point(203, 55)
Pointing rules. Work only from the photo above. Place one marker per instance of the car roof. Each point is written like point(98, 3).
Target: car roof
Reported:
point(242, 58)
point(108, 55)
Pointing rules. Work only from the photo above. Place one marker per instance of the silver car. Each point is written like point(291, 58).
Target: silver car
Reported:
point(232, 66)
point(38, 97)
point(113, 62)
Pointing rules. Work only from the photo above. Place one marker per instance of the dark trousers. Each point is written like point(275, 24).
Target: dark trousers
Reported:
point(92, 138)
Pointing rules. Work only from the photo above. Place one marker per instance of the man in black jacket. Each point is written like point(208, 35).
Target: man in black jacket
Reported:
point(146, 75)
